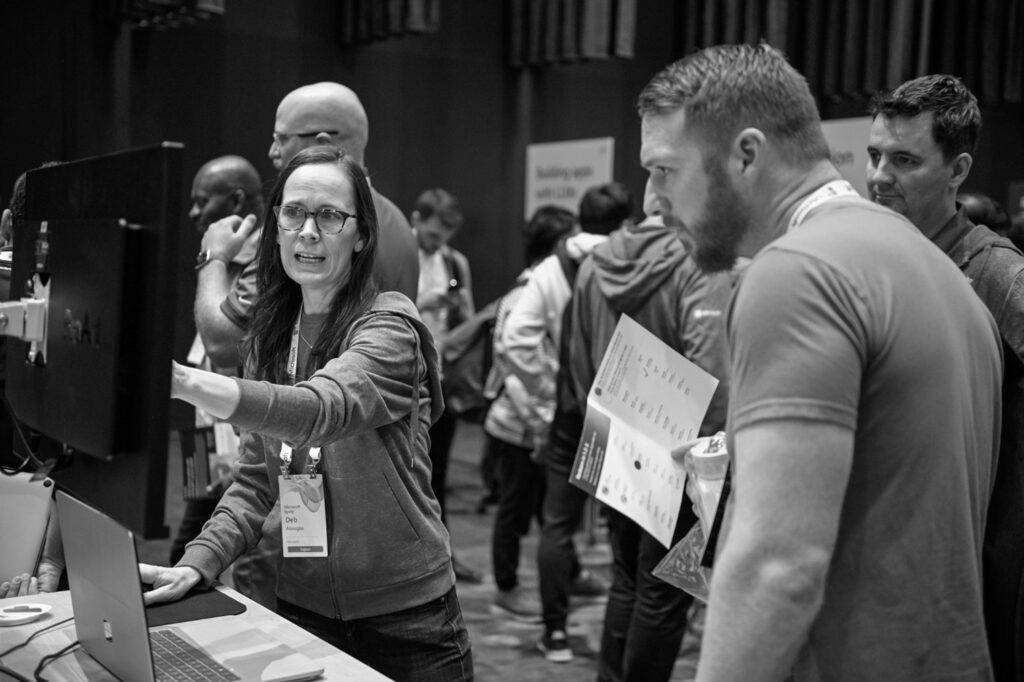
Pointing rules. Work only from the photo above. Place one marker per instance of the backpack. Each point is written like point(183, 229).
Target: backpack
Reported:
point(469, 354)
point(467, 358)
point(471, 380)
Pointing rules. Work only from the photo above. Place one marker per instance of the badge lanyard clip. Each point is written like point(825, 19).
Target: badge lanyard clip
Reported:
point(313, 464)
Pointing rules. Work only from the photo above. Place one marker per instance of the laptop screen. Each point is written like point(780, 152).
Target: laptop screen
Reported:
point(110, 614)
point(106, 595)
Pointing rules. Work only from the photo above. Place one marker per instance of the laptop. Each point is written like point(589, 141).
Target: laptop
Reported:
point(110, 615)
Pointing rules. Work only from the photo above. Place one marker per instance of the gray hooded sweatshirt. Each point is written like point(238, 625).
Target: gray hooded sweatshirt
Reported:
point(370, 409)
point(646, 272)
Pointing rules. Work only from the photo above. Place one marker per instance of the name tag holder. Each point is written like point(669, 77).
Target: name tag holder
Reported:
point(303, 506)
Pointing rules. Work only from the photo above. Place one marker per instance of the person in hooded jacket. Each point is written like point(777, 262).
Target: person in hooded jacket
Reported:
point(509, 441)
point(537, 323)
point(646, 271)
point(341, 386)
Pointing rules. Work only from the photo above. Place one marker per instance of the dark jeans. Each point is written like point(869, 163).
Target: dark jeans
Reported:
point(442, 433)
point(521, 486)
point(489, 474)
point(427, 643)
point(646, 617)
point(557, 562)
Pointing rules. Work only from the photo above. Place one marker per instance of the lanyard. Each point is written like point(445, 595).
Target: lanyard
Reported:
point(286, 450)
point(827, 192)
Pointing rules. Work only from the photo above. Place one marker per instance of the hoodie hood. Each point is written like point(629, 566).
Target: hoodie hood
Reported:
point(634, 262)
point(395, 303)
point(579, 245)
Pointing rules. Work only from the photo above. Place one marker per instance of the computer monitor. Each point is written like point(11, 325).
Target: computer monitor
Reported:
point(99, 242)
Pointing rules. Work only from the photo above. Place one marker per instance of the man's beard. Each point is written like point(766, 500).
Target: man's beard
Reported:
point(722, 225)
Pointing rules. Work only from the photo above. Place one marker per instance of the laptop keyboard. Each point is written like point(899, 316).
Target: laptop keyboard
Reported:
point(176, 659)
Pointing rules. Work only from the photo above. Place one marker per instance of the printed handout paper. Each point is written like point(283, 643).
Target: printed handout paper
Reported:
point(647, 400)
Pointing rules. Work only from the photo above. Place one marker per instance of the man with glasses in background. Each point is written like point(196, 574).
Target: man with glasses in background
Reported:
point(920, 151)
point(330, 113)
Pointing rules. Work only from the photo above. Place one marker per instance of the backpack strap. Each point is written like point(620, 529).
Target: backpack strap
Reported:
point(494, 382)
point(569, 266)
point(455, 275)
point(456, 283)
point(974, 242)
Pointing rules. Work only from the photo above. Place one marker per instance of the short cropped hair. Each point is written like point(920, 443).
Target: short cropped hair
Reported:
point(956, 118)
point(546, 226)
point(603, 208)
point(442, 204)
point(726, 88)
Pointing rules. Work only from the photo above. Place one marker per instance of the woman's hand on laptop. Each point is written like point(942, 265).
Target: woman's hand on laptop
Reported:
point(169, 583)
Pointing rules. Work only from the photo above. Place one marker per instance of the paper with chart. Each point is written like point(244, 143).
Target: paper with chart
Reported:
point(646, 400)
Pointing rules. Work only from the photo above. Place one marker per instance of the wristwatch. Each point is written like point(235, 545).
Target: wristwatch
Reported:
point(207, 256)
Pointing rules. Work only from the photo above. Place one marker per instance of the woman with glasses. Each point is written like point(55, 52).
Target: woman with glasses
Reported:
point(341, 388)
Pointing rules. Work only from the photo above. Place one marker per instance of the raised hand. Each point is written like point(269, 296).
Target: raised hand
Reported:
point(226, 238)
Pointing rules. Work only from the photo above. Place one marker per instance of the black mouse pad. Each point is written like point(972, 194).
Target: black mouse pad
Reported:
point(193, 606)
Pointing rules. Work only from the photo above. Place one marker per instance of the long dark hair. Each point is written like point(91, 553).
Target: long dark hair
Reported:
point(279, 297)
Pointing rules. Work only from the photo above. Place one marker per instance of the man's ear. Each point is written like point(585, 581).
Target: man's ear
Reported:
point(359, 245)
point(748, 149)
point(237, 201)
point(415, 218)
point(961, 168)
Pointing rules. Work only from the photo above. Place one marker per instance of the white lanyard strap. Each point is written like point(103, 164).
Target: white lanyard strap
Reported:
point(286, 450)
point(827, 192)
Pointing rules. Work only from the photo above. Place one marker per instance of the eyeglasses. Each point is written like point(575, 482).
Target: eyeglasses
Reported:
point(281, 138)
point(328, 220)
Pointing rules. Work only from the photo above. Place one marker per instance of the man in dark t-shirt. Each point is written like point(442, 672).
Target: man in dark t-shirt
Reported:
point(919, 153)
point(226, 203)
point(864, 398)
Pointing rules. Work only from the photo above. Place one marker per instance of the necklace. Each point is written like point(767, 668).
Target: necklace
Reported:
point(308, 344)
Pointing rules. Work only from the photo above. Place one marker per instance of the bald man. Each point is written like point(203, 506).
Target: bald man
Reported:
point(226, 207)
point(330, 113)
point(224, 191)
